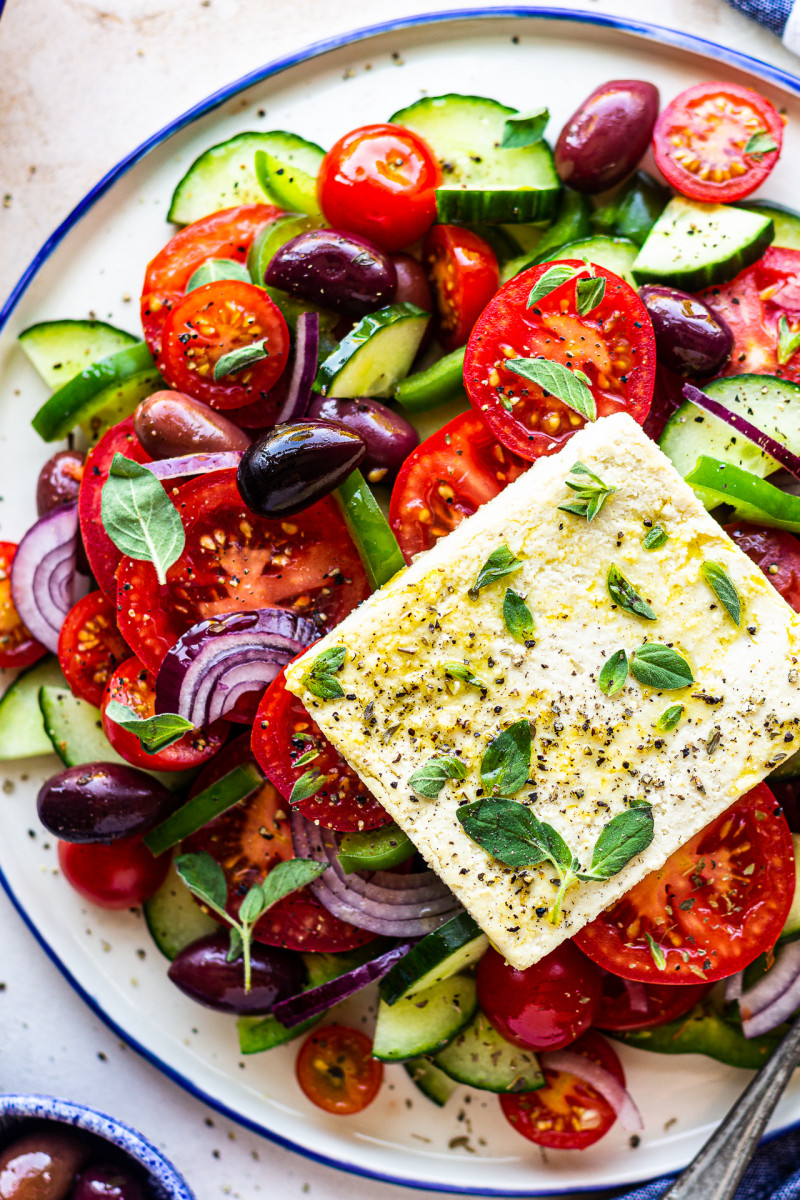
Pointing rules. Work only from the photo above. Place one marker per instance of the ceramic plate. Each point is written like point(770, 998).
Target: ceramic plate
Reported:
point(94, 265)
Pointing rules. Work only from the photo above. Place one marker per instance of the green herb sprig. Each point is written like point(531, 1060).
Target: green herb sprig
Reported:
point(660, 667)
point(154, 733)
point(589, 293)
point(569, 385)
point(240, 359)
point(139, 517)
point(464, 674)
point(320, 678)
point(517, 617)
point(655, 538)
point(788, 341)
point(524, 129)
point(500, 563)
point(614, 673)
point(590, 493)
point(723, 588)
point(506, 762)
point(625, 596)
point(430, 778)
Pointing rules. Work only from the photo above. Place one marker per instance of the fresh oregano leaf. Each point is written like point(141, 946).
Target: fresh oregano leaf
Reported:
point(204, 878)
point(656, 953)
point(235, 945)
point(506, 762)
point(625, 836)
point(589, 293)
point(154, 733)
point(569, 386)
point(320, 678)
point(464, 674)
point(501, 562)
point(430, 778)
point(214, 269)
point(723, 588)
point(613, 674)
point(139, 517)
point(788, 341)
point(307, 758)
point(590, 493)
point(290, 876)
point(307, 785)
point(759, 143)
point(655, 538)
point(669, 718)
point(524, 129)
point(518, 617)
point(660, 667)
point(554, 277)
point(240, 358)
point(508, 831)
point(625, 596)
point(252, 906)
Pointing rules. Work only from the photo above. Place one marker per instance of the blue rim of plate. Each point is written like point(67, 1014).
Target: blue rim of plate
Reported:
point(642, 29)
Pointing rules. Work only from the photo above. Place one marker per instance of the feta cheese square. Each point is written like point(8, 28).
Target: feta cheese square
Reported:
point(593, 755)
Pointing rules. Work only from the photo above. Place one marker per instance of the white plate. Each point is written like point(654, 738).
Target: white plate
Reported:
point(94, 265)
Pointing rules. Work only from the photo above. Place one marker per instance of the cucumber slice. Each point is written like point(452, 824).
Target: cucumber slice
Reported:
point(375, 849)
point(425, 1023)
point(615, 254)
point(693, 246)
point(224, 175)
point(101, 395)
point(437, 384)
point(785, 220)
point(286, 183)
point(60, 350)
point(791, 927)
point(22, 733)
point(482, 182)
point(430, 1080)
point(174, 919)
point(439, 956)
point(374, 356)
point(376, 544)
point(482, 1058)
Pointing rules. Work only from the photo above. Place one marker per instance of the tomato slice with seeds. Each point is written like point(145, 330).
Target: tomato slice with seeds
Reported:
point(216, 320)
point(248, 841)
point(701, 139)
point(18, 647)
point(464, 275)
point(629, 1004)
point(715, 905)
point(234, 561)
point(90, 647)
point(336, 1070)
point(225, 234)
point(283, 735)
point(447, 478)
point(754, 304)
point(776, 552)
point(612, 344)
point(567, 1114)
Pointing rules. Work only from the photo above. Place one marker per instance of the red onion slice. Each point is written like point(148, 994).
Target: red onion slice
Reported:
point(316, 1001)
point(774, 1014)
point(769, 445)
point(195, 464)
point(294, 404)
point(637, 995)
point(216, 663)
point(44, 582)
point(734, 987)
point(776, 982)
point(603, 1082)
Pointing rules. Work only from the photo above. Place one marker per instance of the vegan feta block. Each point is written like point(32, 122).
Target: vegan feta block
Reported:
point(593, 755)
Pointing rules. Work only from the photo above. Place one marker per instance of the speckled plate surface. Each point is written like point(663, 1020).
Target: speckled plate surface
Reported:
point(94, 265)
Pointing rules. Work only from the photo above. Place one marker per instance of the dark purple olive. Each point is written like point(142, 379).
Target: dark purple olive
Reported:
point(100, 802)
point(41, 1165)
point(203, 973)
point(603, 141)
point(169, 424)
point(59, 480)
point(295, 464)
point(412, 282)
point(107, 1182)
point(340, 271)
point(691, 339)
point(389, 436)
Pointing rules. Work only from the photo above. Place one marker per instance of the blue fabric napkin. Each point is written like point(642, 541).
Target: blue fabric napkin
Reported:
point(781, 17)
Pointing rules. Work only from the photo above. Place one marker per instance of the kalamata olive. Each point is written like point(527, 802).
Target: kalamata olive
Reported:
point(340, 271)
point(101, 802)
point(41, 1165)
point(59, 480)
point(604, 139)
point(203, 973)
point(389, 436)
point(295, 464)
point(107, 1181)
point(169, 424)
point(412, 282)
point(690, 338)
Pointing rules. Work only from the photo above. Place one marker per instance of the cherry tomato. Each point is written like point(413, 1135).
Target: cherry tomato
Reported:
point(380, 181)
point(248, 841)
point(336, 1070)
point(776, 552)
point(18, 648)
point(133, 685)
point(464, 275)
point(283, 734)
point(701, 141)
point(612, 344)
point(629, 1004)
point(225, 234)
point(447, 478)
point(566, 1114)
point(755, 304)
point(90, 647)
point(234, 561)
point(119, 875)
point(545, 1007)
point(714, 906)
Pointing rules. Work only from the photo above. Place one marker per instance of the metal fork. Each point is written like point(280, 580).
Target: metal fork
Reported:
point(716, 1171)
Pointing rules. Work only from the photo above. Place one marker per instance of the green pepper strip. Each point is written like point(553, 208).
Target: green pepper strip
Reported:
point(434, 386)
point(752, 498)
point(369, 529)
point(230, 789)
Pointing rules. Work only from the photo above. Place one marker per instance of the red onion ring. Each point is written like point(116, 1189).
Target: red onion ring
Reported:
point(195, 464)
point(733, 987)
point(293, 389)
point(600, 1079)
point(779, 979)
point(637, 995)
point(44, 582)
point(774, 1014)
point(769, 445)
point(316, 1001)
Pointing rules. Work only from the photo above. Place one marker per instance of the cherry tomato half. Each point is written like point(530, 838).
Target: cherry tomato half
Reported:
point(380, 181)
point(18, 648)
point(715, 905)
point(701, 141)
point(336, 1070)
point(612, 344)
point(776, 552)
point(119, 875)
point(464, 275)
point(90, 647)
point(630, 1004)
point(756, 304)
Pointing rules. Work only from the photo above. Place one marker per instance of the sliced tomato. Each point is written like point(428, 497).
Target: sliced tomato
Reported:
point(90, 647)
point(447, 478)
point(18, 647)
point(612, 345)
point(284, 734)
point(103, 555)
point(225, 234)
point(776, 552)
point(629, 1004)
point(715, 905)
point(216, 320)
point(336, 1070)
point(248, 841)
point(234, 561)
point(464, 275)
point(567, 1114)
point(706, 141)
point(754, 305)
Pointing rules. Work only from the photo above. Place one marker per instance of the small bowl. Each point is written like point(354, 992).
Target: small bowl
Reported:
point(162, 1177)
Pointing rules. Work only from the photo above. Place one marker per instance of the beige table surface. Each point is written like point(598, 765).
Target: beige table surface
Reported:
point(81, 83)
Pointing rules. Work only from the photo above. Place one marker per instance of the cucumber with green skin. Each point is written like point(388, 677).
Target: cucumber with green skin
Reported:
point(785, 220)
point(288, 184)
point(437, 957)
point(426, 1022)
point(376, 355)
point(615, 254)
point(634, 210)
point(60, 350)
point(174, 919)
point(480, 1057)
point(571, 224)
point(430, 1080)
point(22, 731)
